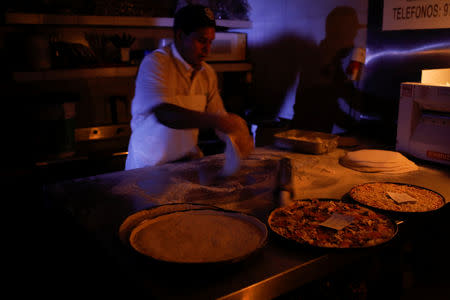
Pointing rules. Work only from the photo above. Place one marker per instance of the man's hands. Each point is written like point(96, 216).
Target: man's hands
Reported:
point(236, 127)
point(177, 117)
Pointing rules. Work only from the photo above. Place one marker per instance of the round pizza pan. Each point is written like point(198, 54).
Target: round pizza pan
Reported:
point(138, 217)
point(148, 236)
point(296, 242)
point(397, 212)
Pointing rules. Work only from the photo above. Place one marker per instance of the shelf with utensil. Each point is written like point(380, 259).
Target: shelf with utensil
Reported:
point(87, 20)
point(113, 72)
point(69, 28)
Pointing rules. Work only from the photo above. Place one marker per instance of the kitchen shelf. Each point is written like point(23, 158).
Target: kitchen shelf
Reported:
point(231, 66)
point(125, 71)
point(78, 20)
point(70, 74)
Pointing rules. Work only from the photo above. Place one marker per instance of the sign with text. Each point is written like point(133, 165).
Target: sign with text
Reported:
point(416, 14)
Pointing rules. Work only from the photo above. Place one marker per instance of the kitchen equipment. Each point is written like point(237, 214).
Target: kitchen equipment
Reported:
point(306, 141)
point(120, 109)
point(423, 127)
point(436, 77)
point(56, 125)
point(102, 132)
point(285, 183)
point(71, 55)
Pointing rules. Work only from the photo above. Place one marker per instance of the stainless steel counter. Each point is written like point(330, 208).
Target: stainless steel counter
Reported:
point(100, 204)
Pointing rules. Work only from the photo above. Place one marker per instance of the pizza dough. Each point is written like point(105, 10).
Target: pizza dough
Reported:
point(199, 236)
point(375, 161)
point(233, 157)
point(132, 221)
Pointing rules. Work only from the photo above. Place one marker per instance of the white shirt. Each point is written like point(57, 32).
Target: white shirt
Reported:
point(165, 77)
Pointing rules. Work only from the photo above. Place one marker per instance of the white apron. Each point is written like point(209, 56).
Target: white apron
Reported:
point(152, 143)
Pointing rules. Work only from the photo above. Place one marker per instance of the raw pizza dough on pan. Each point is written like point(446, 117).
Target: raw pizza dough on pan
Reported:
point(377, 161)
point(132, 221)
point(199, 236)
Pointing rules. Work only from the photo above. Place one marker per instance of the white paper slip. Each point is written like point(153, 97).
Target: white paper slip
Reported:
point(400, 198)
point(337, 221)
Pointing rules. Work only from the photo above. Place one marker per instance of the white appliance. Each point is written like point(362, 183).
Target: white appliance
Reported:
point(423, 128)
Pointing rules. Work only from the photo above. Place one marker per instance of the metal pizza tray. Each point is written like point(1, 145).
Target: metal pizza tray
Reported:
point(138, 228)
point(304, 244)
point(305, 141)
point(138, 217)
point(399, 213)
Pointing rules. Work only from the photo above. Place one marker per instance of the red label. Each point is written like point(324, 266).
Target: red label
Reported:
point(438, 155)
point(443, 91)
point(407, 91)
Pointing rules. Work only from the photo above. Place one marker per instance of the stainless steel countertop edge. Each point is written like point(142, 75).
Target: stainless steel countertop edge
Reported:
point(286, 281)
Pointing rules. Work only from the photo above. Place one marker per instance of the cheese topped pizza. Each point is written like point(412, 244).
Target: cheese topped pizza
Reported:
point(303, 222)
point(381, 195)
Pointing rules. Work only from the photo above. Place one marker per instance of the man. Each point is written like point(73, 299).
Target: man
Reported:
point(323, 83)
point(177, 94)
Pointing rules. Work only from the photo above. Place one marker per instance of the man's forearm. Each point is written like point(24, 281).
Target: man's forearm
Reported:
point(177, 117)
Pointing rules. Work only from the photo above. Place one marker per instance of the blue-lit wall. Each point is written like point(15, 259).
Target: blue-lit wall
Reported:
point(283, 34)
point(399, 56)
point(286, 32)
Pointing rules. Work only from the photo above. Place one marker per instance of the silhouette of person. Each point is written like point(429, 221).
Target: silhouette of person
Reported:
point(323, 83)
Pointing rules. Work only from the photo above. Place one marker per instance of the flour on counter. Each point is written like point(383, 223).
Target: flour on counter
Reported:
point(321, 177)
point(200, 182)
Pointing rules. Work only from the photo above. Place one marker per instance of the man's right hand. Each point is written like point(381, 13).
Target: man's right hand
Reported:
point(235, 126)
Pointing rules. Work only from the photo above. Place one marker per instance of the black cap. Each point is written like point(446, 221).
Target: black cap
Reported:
point(193, 16)
point(343, 17)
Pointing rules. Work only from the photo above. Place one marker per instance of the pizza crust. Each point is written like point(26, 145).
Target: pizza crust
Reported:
point(199, 236)
point(132, 221)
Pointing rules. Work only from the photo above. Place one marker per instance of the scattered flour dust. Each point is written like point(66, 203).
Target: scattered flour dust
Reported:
point(199, 181)
point(313, 176)
point(321, 178)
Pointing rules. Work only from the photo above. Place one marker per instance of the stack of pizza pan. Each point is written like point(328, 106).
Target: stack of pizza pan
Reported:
point(377, 161)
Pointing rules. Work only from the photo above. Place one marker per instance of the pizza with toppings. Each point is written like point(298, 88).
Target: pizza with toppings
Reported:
point(397, 197)
point(303, 222)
